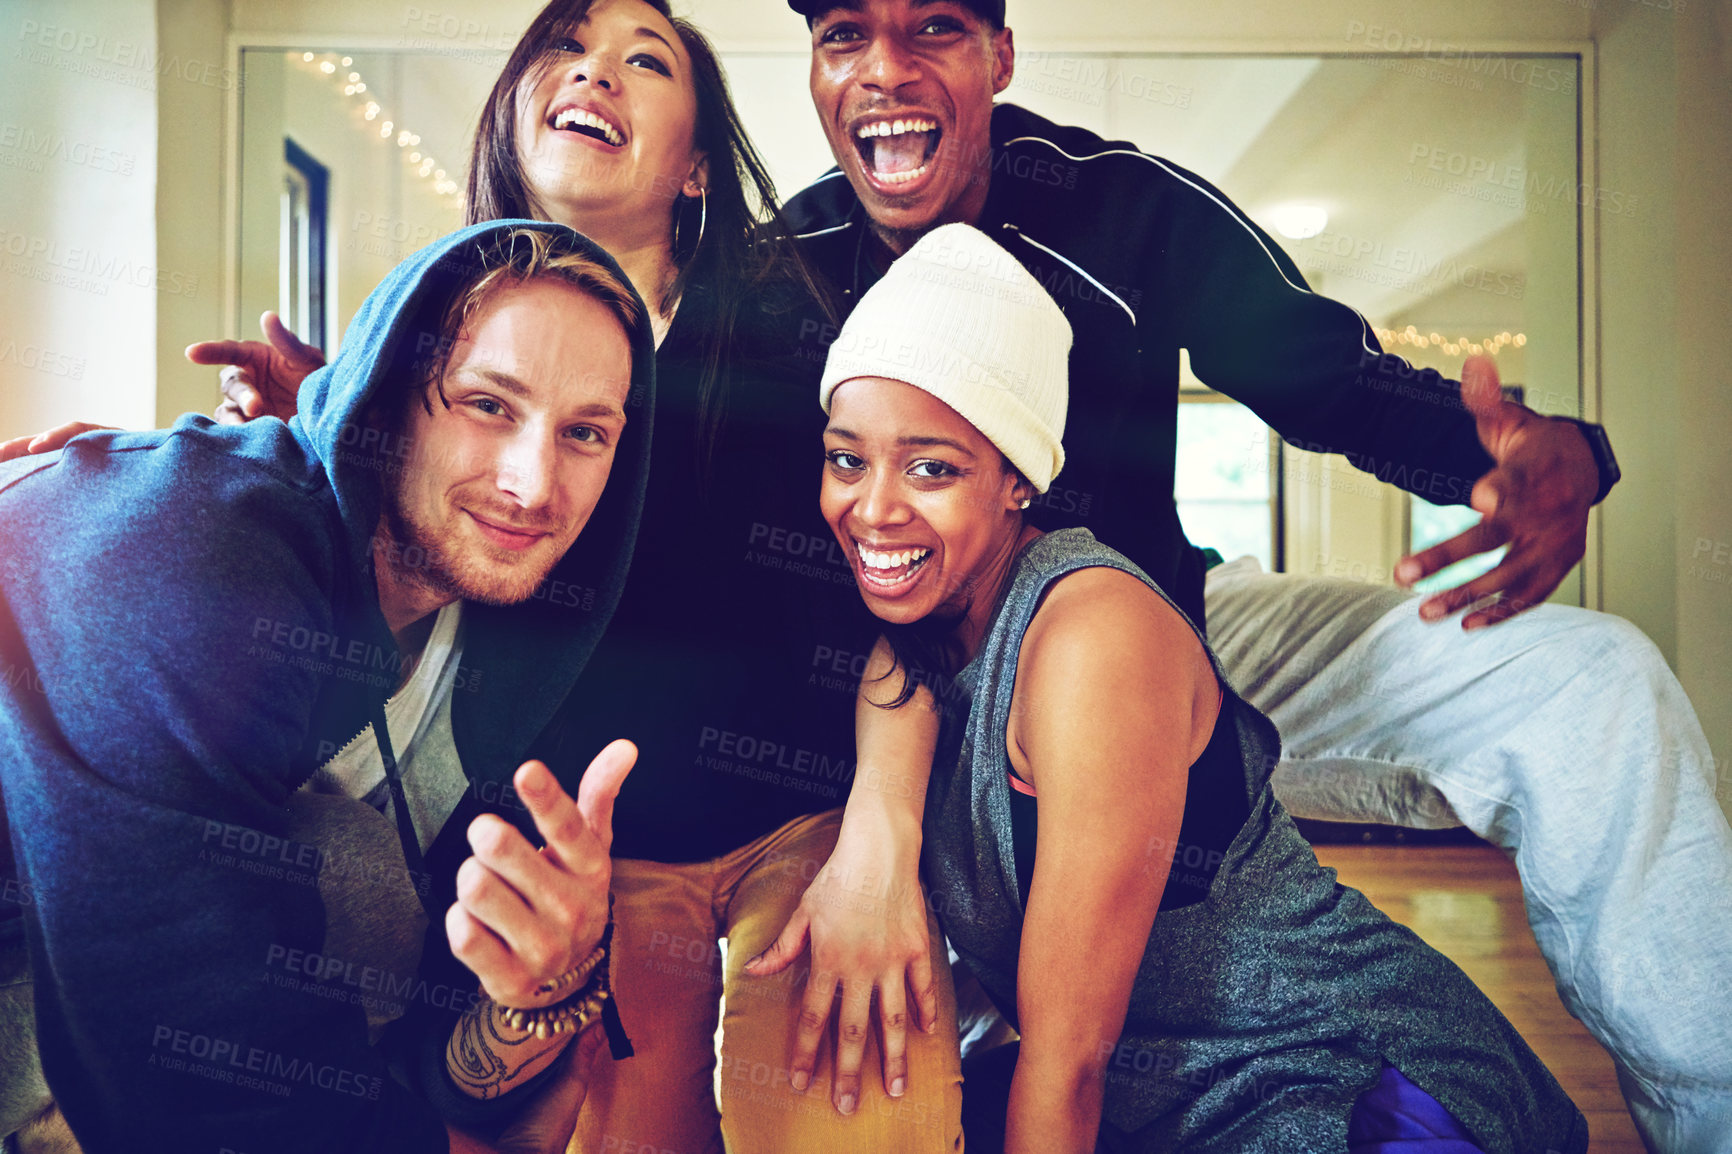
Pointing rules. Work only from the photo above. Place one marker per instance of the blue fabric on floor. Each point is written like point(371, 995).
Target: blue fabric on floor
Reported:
point(1397, 1117)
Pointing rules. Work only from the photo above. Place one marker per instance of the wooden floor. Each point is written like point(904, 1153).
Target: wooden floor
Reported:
point(1466, 902)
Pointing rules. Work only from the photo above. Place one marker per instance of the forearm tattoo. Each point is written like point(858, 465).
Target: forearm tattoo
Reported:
point(487, 1058)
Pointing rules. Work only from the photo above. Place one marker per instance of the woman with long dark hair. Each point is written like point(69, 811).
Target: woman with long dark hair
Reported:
point(734, 654)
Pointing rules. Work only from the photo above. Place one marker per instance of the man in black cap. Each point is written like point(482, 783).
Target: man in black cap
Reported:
point(1600, 786)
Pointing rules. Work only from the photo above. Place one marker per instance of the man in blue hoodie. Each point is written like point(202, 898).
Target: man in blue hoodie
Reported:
point(260, 681)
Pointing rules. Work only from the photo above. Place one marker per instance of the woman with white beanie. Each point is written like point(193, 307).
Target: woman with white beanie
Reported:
point(1101, 841)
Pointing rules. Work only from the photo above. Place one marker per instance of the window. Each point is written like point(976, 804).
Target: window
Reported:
point(1223, 479)
point(1429, 524)
point(301, 262)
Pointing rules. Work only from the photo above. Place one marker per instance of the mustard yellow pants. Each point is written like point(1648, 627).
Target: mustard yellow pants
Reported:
point(670, 979)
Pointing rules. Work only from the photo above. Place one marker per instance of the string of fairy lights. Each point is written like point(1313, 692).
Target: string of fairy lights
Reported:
point(349, 81)
point(1450, 346)
point(354, 87)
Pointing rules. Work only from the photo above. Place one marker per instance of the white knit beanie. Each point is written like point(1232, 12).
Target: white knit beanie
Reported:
point(957, 316)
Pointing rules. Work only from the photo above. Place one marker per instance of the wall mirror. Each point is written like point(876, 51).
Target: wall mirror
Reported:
point(1441, 194)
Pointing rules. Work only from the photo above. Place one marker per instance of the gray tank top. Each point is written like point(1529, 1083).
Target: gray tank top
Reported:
point(1261, 1013)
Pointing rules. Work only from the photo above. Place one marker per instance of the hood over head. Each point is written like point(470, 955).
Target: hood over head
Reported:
point(518, 661)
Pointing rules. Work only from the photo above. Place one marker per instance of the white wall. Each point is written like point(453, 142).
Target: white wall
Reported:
point(189, 196)
point(1702, 500)
point(80, 283)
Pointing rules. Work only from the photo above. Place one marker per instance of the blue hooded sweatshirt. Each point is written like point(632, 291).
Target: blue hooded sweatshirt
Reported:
point(189, 626)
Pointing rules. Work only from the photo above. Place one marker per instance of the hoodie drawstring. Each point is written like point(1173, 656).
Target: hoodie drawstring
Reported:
point(412, 854)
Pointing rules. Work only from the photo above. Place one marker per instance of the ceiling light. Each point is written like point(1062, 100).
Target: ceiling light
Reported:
point(1299, 221)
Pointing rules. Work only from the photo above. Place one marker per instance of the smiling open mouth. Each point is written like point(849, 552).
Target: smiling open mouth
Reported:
point(890, 569)
point(898, 151)
point(586, 123)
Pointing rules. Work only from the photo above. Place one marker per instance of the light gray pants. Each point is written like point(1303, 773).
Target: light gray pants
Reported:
point(1559, 735)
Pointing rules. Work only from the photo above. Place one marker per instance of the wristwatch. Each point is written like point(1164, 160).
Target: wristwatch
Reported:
point(1601, 446)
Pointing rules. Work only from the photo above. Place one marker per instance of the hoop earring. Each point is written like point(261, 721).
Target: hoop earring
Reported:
point(703, 220)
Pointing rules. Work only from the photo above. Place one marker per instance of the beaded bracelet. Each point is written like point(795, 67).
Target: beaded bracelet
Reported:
point(572, 1016)
point(573, 1013)
point(577, 973)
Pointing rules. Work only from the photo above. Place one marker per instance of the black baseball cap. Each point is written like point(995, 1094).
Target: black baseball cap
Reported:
point(991, 11)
